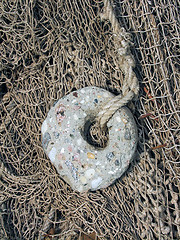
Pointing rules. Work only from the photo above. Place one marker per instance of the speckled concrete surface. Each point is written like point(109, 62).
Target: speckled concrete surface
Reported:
point(80, 164)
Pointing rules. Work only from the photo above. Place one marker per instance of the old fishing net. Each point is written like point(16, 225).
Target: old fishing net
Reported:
point(50, 48)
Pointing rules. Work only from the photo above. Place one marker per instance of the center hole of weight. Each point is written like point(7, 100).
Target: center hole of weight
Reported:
point(94, 135)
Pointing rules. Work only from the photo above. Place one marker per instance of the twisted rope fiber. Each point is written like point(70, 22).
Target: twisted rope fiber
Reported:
point(126, 63)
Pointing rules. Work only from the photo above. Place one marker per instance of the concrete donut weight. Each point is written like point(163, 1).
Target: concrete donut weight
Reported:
point(80, 164)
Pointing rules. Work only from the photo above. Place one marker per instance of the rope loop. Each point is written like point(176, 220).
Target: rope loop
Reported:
point(130, 86)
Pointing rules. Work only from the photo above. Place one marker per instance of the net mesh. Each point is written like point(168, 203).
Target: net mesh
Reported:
point(48, 49)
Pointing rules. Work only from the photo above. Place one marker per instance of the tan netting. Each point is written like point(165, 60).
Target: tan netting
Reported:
point(49, 48)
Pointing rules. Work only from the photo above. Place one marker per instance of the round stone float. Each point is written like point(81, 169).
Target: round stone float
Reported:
point(80, 164)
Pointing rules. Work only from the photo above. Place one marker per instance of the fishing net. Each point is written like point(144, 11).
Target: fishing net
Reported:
point(50, 48)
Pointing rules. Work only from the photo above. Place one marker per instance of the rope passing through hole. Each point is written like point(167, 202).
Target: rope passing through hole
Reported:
point(130, 86)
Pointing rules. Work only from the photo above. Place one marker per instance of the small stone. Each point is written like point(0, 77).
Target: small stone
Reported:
point(75, 117)
point(68, 164)
point(83, 180)
point(127, 134)
point(60, 167)
point(117, 162)
point(74, 173)
point(105, 94)
point(62, 150)
point(56, 135)
point(90, 173)
point(96, 182)
point(110, 156)
point(79, 141)
point(90, 155)
point(60, 113)
point(70, 148)
point(44, 127)
point(125, 121)
point(82, 90)
point(61, 156)
point(46, 140)
point(75, 94)
point(71, 135)
point(80, 189)
point(76, 157)
point(52, 154)
point(118, 119)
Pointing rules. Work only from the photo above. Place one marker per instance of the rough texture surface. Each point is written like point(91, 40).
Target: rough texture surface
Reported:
point(64, 139)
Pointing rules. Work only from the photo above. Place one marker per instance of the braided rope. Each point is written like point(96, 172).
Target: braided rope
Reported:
point(111, 107)
point(126, 63)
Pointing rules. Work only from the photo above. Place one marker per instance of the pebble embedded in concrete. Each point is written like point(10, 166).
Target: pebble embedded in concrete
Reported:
point(80, 164)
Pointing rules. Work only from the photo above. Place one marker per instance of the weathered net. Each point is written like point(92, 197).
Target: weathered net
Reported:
point(49, 48)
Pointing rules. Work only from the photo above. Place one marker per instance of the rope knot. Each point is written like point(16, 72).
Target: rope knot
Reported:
point(130, 86)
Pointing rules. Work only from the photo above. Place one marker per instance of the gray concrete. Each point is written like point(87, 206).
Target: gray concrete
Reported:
point(81, 165)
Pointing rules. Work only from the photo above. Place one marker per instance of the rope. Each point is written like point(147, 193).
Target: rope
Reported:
point(130, 87)
point(111, 107)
